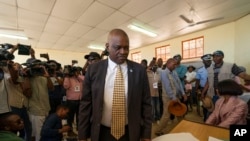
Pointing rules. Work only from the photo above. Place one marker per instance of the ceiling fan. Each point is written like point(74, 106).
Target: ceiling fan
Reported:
point(191, 22)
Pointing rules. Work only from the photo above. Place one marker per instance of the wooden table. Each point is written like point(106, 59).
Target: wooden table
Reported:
point(201, 131)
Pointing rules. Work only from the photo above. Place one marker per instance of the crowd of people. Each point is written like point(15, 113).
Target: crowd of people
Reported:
point(42, 100)
point(35, 89)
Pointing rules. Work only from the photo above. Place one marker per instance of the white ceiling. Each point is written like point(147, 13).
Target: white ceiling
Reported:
point(73, 25)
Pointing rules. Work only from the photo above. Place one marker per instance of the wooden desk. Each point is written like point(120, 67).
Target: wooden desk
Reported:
point(201, 131)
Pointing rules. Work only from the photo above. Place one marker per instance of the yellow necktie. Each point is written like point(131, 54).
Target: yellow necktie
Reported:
point(118, 107)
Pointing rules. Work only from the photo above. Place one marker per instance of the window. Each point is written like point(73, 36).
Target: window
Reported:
point(136, 57)
point(193, 48)
point(163, 52)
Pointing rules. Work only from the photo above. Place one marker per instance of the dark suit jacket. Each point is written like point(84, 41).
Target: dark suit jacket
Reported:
point(139, 102)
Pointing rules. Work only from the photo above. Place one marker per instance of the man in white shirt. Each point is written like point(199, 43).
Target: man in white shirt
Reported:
point(97, 99)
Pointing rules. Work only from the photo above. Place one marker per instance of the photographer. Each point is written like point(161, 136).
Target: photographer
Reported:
point(56, 76)
point(55, 95)
point(17, 101)
point(39, 106)
point(5, 56)
point(73, 82)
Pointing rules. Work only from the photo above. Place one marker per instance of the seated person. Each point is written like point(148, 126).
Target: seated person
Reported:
point(10, 123)
point(52, 129)
point(229, 109)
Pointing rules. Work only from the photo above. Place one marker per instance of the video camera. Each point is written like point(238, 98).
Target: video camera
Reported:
point(5, 54)
point(105, 52)
point(70, 70)
point(35, 69)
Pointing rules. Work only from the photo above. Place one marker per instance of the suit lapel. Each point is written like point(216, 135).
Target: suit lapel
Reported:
point(102, 75)
point(130, 79)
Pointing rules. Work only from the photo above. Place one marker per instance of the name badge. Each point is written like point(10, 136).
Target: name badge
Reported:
point(155, 85)
point(77, 88)
point(200, 102)
point(64, 98)
point(54, 81)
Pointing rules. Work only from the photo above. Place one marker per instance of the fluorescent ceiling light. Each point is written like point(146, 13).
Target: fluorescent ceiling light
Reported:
point(14, 36)
point(142, 30)
point(96, 47)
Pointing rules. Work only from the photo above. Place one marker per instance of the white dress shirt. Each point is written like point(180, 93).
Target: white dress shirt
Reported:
point(108, 91)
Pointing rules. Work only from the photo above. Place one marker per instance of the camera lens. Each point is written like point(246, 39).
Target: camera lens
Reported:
point(9, 56)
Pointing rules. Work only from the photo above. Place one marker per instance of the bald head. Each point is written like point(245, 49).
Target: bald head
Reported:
point(171, 64)
point(117, 32)
point(118, 46)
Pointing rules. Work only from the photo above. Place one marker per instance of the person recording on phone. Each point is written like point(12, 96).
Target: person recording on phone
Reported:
point(27, 50)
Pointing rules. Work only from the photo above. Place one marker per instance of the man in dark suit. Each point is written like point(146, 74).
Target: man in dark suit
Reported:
point(95, 116)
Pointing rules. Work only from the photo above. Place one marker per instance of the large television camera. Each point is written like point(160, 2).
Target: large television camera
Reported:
point(5, 54)
point(37, 68)
point(105, 52)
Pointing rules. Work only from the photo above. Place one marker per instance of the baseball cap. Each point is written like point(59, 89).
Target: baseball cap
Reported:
point(92, 56)
point(218, 53)
point(206, 57)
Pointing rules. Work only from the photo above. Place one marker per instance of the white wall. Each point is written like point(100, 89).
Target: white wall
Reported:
point(232, 38)
point(242, 40)
point(217, 38)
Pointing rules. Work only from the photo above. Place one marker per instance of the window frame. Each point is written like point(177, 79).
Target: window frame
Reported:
point(166, 54)
point(201, 47)
point(132, 57)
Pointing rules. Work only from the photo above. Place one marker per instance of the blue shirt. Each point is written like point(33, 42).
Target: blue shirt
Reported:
point(181, 71)
point(50, 129)
point(167, 86)
point(201, 75)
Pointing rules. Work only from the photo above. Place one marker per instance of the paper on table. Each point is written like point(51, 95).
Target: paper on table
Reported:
point(213, 139)
point(176, 137)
